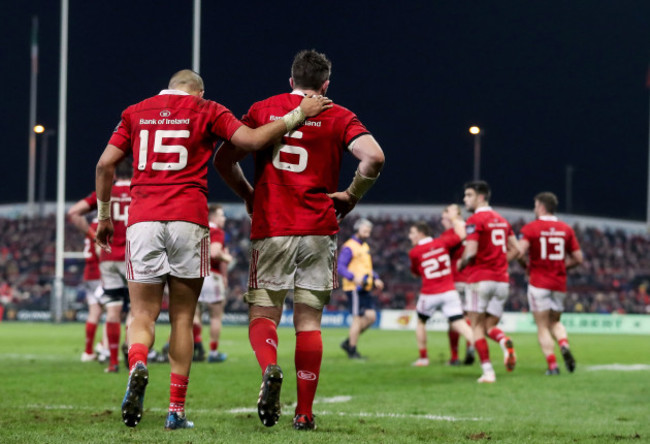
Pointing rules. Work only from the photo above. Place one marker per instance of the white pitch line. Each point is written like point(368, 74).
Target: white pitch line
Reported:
point(619, 367)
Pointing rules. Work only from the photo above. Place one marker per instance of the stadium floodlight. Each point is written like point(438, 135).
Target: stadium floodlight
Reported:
point(39, 129)
point(476, 131)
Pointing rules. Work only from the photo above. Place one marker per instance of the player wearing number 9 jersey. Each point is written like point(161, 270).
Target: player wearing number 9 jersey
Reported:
point(490, 245)
point(294, 209)
point(172, 135)
point(552, 249)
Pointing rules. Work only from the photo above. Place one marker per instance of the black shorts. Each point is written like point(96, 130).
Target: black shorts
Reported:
point(359, 301)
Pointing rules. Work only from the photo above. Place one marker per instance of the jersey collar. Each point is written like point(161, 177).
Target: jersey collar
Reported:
point(122, 182)
point(481, 209)
point(297, 92)
point(175, 92)
point(548, 218)
point(425, 240)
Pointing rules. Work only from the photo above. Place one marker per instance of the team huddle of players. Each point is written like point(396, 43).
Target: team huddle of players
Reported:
point(470, 261)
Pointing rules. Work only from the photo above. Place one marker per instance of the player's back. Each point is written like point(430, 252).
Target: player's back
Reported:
point(172, 136)
point(550, 241)
point(491, 231)
point(456, 253)
point(430, 259)
point(91, 267)
point(292, 178)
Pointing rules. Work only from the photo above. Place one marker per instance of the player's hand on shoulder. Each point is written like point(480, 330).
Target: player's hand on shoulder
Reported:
point(379, 284)
point(104, 234)
point(344, 202)
point(313, 105)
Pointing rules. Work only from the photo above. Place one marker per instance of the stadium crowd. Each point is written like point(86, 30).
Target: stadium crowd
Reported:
point(613, 279)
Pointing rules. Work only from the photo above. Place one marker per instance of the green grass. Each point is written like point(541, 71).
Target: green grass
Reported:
point(47, 395)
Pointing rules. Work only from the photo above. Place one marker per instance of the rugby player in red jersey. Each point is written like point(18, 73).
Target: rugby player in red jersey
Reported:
point(552, 249)
point(294, 210)
point(172, 136)
point(111, 263)
point(450, 214)
point(490, 245)
point(213, 292)
point(431, 260)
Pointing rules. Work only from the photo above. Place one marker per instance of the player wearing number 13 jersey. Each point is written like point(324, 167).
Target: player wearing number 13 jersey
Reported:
point(490, 245)
point(172, 135)
point(552, 249)
point(294, 208)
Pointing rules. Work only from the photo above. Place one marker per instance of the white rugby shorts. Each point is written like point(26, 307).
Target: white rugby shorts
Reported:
point(113, 274)
point(213, 289)
point(286, 262)
point(94, 291)
point(487, 297)
point(447, 302)
point(462, 288)
point(155, 249)
point(541, 299)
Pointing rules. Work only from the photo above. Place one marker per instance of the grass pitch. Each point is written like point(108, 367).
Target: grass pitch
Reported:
point(48, 396)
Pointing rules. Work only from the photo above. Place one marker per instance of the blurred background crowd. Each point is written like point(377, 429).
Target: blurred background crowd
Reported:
point(613, 279)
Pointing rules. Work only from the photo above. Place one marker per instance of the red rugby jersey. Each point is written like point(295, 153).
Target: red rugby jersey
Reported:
point(430, 260)
point(172, 137)
point(456, 253)
point(120, 203)
point(91, 267)
point(491, 231)
point(293, 177)
point(216, 235)
point(551, 240)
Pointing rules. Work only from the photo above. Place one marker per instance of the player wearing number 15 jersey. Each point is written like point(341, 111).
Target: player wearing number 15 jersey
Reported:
point(294, 210)
point(552, 249)
point(172, 136)
point(490, 245)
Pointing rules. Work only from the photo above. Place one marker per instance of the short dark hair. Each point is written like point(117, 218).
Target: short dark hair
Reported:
point(310, 69)
point(124, 169)
point(549, 200)
point(422, 227)
point(481, 187)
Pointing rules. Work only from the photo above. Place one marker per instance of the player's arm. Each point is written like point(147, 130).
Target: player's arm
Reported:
point(574, 259)
point(250, 139)
point(524, 246)
point(471, 248)
point(217, 252)
point(459, 227)
point(371, 161)
point(104, 174)
point(513, 252)
point(226, 162)
point(76, 215)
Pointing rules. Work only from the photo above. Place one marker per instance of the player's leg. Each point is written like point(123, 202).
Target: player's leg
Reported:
point(273, 260)
point(476, 304)
point(197, 340)
point(421, 339)
point(499, 292)
point(308, 353)
point(451, 306)
point(539, 302)
point(314, 282)
point(94, 313)
point(558, 330)
point(216, 315)
point(113, 330)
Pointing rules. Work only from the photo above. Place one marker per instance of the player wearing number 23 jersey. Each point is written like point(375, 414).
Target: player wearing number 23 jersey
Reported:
point(293, 178)
point(430, 259)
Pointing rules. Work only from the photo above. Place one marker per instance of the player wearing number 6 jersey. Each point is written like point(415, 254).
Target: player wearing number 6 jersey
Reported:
point(294, 210)
point(430, 259)
point(172, 136)
point(552, 249)
point(490, 245)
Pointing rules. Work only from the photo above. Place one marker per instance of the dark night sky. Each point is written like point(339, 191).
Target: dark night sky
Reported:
point(551, 83)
